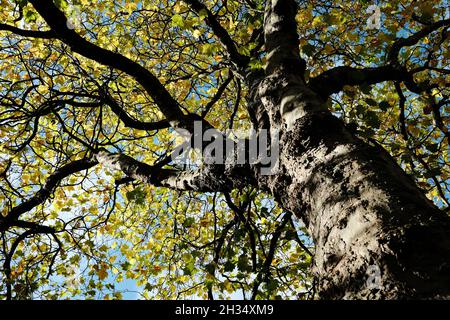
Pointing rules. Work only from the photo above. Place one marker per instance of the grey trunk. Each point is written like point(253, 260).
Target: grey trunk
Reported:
point(376, 234)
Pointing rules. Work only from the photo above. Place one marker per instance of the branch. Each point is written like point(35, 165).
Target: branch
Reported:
point(28, 33)
point(393, 52)
point(210, 178)
point(238, 59)
point(264, 273)
point(334, 80)
point(57, 21)
point(130, 122)
point(218, 95)
point(37, 229)
point(46, 190)
point(402, 100)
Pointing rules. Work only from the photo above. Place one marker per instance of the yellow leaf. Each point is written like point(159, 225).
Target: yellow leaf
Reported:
point(102, 273)
point(197, 33)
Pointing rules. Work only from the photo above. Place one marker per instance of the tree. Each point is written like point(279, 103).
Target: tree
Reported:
point(355, 95)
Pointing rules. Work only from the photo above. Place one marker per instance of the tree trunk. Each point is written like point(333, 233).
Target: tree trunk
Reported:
point(376, 234)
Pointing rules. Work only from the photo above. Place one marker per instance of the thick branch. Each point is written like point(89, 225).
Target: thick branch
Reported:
point(28, 33)
point(211, 178)
point(334, 80)
point(58, 23)
point(46, 190)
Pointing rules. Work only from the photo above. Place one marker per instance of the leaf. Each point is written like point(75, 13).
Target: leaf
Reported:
point(372, 119)
point(308, 49)
point(255, 64)
point(208, 49)
point(202, 14)
point(148, 287)
point(197, 33)
point(243, 264)
point(384, 105)
point(264, 211)
point(177, 21)
point(427, 12)
point(360, 109)
point(272, 285)
point(188, 222)
point(189, 269)
point(102, 273)
point(30, 16)
point(137, 195)
point(427, 109)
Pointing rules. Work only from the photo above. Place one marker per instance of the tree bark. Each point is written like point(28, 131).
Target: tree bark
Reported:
point(362, 211)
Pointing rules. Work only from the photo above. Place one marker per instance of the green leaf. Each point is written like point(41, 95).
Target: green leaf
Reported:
point(125, 266)
point(30, 16)
point(188, 222)
point(244, 198)
point(148, 287)
point(189, 269)
point(360, 109)
point(61, 4)
point(255, 64)
point(264, 211)
point(177, 21)
point(202, 14)
point(137, 195)
point(272, 285)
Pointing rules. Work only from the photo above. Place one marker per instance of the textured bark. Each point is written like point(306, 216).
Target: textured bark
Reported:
point(361, 209)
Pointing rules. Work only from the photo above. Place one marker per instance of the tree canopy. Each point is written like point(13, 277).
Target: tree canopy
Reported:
point(81, 76)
